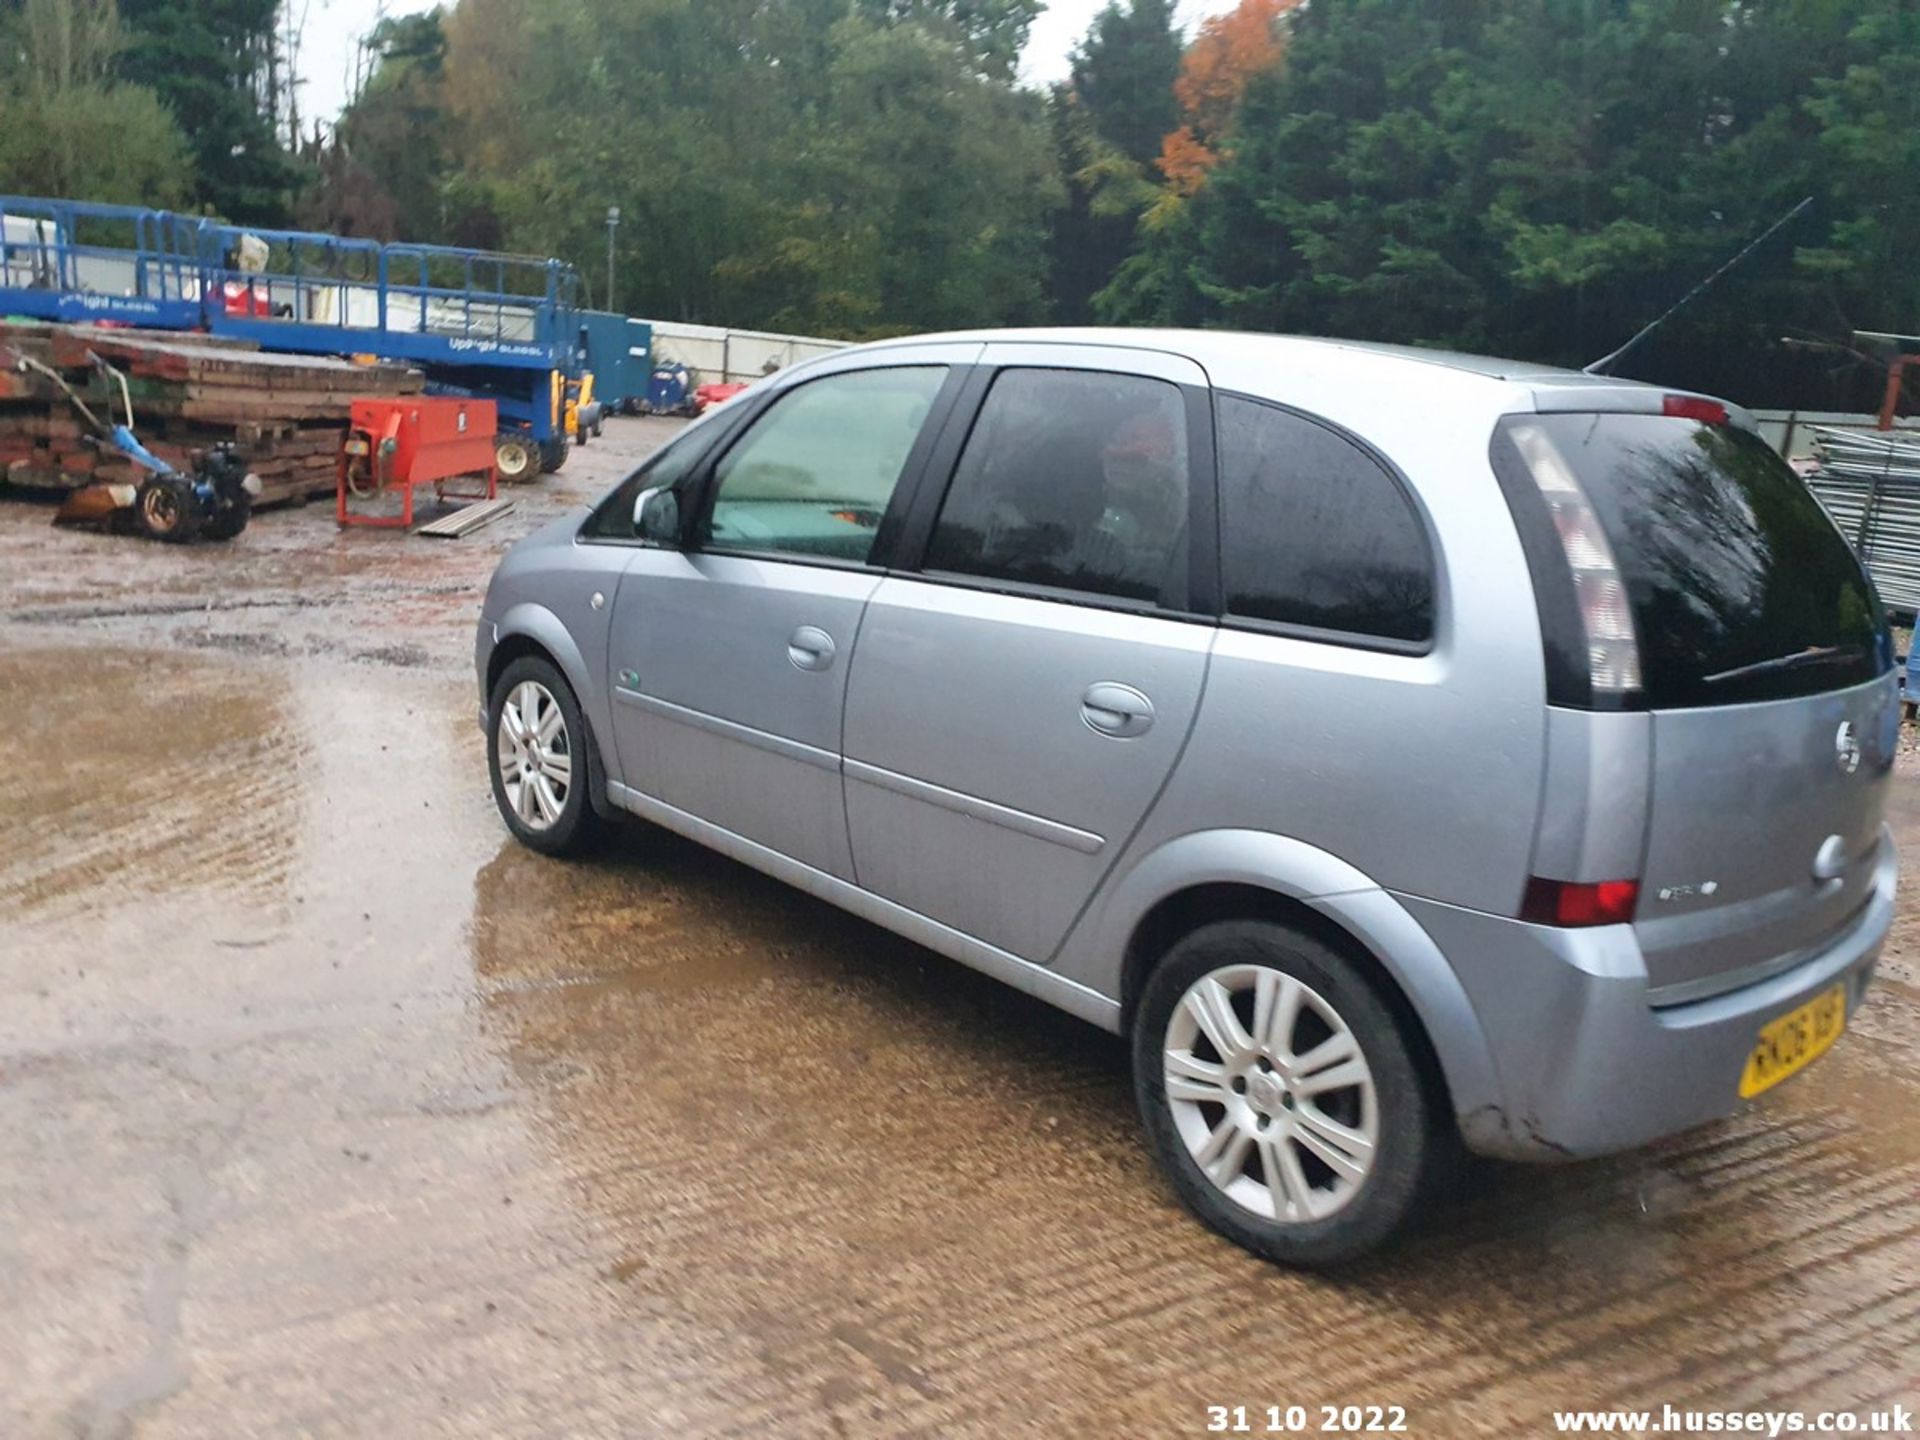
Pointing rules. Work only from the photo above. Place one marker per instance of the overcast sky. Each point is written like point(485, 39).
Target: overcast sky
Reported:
point(333, 27)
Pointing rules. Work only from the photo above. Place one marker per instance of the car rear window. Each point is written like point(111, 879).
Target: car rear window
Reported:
point(1740, 586)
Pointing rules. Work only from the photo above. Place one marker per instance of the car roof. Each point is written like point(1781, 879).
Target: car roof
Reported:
point(1253, 362)
point(1235, 345)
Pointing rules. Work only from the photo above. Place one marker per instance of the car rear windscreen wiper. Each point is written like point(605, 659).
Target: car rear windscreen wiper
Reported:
point(1798, 660)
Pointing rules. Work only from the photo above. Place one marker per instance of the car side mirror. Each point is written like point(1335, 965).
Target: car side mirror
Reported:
point(656, 515)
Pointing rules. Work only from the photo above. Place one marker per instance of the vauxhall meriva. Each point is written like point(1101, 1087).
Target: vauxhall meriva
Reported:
point(1402, 749)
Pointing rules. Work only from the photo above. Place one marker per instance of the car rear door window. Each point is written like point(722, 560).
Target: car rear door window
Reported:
point(1315, 532)
point(1074, 480)
point(814, 475)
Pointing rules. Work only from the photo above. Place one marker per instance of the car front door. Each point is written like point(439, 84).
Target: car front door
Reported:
point(729, 655)
point(1016, 705)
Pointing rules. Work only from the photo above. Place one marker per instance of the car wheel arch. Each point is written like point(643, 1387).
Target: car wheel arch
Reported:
point(1241, 874)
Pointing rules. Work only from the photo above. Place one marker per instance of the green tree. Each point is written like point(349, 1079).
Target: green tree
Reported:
point(210, 62)
point(68, 128)
point(1541, 177)
point(948, 178)
point(1123, 73)
point(1108, 122)
point(992, 32)
point(1333, 205)
point(801, 164)
point(1158, 282)
point(1868, 114)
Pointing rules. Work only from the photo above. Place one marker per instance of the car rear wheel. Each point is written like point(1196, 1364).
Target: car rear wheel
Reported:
point(1281, 1095)
point(538, 759)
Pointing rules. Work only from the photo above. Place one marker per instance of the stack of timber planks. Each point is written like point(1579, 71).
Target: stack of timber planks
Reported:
point(287, 414)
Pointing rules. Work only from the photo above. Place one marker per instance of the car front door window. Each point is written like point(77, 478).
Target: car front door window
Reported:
point(815, 474)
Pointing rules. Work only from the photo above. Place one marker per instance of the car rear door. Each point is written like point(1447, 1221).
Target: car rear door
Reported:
point(729, 654)
point(1018, 701)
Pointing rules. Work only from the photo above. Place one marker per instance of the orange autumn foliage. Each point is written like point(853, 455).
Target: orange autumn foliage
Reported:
point(1227, 53)
point(1185, 160)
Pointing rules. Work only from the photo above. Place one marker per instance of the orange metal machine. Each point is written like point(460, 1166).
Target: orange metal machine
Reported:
point(419, 440)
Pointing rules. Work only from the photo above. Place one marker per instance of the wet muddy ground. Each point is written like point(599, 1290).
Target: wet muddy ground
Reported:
point(326, 1110)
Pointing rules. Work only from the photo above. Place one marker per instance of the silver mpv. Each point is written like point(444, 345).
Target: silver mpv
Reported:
point(1403, 749)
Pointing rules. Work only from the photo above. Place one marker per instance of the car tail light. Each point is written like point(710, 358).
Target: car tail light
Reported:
point(1613, 655)
point(1579, 902)
point(1694, 407)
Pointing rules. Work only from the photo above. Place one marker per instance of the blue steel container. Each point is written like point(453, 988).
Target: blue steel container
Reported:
point(619, 351)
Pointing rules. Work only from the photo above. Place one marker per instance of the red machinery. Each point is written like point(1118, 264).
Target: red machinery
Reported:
point(419, 440)
point(708, 396)
point(243, 297)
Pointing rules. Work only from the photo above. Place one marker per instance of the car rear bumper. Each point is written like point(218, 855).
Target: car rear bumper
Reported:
point(1586, 1064)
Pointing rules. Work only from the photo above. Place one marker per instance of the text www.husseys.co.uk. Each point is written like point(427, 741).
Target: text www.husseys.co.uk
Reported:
point(1667, 1420)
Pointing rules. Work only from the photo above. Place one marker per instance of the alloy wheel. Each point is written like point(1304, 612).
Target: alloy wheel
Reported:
point(1271, 1093)
point(535, 755)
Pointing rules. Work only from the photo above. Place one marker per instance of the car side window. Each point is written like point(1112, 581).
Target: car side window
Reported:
point(815, 473)
point(1073, 479)
point(612, 518)
point(1316, 532)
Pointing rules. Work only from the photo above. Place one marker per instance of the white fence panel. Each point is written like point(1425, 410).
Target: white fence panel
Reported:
point(716, 353)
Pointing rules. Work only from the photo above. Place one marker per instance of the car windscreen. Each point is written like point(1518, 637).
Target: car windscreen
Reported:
point(1740, 586)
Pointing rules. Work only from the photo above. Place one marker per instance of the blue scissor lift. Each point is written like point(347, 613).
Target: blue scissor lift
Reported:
point(477, 323)
point(77, 264)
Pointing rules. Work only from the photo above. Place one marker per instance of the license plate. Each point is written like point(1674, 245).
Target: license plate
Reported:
point(1794, 1041)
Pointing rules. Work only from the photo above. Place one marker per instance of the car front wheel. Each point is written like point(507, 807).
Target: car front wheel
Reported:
point(1281, 1095)
point(538, 759)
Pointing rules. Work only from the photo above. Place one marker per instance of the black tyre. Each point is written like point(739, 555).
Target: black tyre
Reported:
point(166, 509)
point(230, 518)
point(539, 757)
point(516, 457)
point(553, 454)
point(1282, 1095)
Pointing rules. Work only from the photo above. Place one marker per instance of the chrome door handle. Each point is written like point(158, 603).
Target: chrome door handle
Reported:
point(1117, 710)
point(810, 648)
point(1830, 861)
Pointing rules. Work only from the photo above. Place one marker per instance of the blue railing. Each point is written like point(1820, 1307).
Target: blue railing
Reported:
point(73, 261)
point(427, 303)
point(317, 294)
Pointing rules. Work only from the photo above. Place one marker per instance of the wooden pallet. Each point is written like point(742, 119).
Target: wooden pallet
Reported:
point(287, 414)
point(465, 521)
